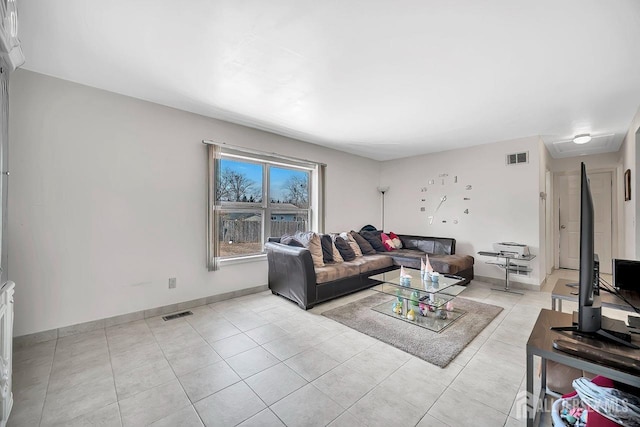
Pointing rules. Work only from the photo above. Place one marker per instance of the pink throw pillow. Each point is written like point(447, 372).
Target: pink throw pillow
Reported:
point(395, 240)
point(386, 241)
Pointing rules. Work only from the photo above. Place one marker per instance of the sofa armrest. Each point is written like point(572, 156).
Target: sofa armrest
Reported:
point(291, 273)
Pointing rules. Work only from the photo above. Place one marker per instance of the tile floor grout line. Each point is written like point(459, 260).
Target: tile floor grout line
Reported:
point(174, 373)
point(44, 402)
point(363, 396)
point(113, 376)
point(228, 365)
point(515, 397)
point(51, 371)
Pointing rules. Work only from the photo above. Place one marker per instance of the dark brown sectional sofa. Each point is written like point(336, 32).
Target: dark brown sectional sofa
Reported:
point(293, 275)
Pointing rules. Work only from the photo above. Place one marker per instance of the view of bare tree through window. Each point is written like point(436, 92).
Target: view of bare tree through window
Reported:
point(239, 191)
point(289, 186)
point(239, 182)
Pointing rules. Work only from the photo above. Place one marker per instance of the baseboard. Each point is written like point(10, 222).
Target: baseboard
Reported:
point(52, 334)
point(512, 284)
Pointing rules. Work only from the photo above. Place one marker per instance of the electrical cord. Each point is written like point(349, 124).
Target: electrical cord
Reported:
point(612, 290)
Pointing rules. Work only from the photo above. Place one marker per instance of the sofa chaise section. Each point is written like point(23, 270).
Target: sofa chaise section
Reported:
point(442, 255)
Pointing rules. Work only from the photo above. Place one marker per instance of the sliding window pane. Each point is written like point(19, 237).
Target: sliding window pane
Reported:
point(240, 233)
point(288, 223)
point(288, 188)
point(239, 182)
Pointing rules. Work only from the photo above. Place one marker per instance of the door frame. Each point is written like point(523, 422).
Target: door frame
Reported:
point(615, 209)
point(548, 222)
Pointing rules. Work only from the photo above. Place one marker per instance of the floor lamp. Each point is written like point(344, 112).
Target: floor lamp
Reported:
point(383, 190)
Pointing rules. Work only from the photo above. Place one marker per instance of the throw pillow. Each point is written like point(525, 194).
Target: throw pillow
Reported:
point(352, 243)
point(290, 241)
point(345, 249)
point(337, 257)
point(373, 237)
point(311, 241)
point(396, 240)
point(365, 246)
point(327, 249)
point(388, 244)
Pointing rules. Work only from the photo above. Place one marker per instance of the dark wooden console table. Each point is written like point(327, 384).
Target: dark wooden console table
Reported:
point(540, 344)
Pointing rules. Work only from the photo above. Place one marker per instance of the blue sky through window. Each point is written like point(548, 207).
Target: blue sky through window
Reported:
point(279, 179)
point(250, 170)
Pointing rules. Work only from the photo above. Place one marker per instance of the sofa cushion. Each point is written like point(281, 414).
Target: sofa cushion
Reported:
point(345, 250)
point(329, 251)
point(337, 256)
point(430, 245)
point(451, 264)
point(426, 246)
point(331, 272)
point(407, 257)
point(396, 240)
point(373, 237)
point(387, 242)
point(365, 246)
point(352, 242)
point(327, 248)
point(290, 241)
point(311, 241)
point(374, 262)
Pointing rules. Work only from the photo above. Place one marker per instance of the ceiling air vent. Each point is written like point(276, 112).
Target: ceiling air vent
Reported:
point(517, 158)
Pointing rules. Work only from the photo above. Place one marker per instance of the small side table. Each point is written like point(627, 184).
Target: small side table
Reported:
point(540, 344)
point(508, 266)
point(563, 292)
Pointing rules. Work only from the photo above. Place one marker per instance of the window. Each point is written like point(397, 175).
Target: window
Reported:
point(255, 196)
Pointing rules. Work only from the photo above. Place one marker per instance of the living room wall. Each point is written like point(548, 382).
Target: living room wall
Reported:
point(504, 200)
point(107, 200)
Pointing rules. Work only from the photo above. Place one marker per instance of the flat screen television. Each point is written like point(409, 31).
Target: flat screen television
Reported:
point(626, 274)
point(589, 320)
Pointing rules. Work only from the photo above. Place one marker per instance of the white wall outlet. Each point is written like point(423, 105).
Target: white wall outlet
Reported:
point(172, 283)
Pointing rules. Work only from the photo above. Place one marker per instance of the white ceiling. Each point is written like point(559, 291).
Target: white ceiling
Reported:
point(382, 79)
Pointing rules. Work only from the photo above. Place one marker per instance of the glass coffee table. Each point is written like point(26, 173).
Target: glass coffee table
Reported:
point(427, 299)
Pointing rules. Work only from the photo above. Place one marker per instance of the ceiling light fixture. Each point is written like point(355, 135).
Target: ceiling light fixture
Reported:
point(582, 138)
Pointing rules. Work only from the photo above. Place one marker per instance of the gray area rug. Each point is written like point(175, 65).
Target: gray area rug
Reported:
point(436, 348)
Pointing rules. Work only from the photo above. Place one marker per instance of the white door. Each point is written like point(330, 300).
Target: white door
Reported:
point(569, 206)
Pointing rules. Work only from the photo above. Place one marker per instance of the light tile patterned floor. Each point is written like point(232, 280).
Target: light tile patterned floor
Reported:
point(275, 365)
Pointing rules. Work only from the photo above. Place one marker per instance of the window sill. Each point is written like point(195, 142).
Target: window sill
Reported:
point(243, 260)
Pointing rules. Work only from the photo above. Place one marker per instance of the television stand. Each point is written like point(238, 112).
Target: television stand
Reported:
point(612, 330)
point(541, 345)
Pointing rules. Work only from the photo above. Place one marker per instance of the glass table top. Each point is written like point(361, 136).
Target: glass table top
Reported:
point(420, 302)
point(444, 285)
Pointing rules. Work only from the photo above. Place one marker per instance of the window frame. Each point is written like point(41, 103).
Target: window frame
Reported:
point(314, 213)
